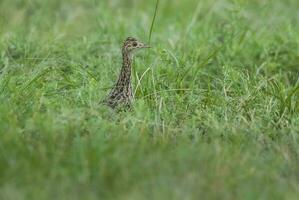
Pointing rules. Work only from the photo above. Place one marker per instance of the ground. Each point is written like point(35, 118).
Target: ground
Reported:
point(216, 111)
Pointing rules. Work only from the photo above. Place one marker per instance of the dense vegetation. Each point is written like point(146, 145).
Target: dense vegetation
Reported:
point(216, 114)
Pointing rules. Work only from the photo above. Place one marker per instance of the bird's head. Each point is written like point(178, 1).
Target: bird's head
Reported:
point(131, 44)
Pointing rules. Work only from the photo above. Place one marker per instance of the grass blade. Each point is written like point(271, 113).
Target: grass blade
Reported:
point(153, 22)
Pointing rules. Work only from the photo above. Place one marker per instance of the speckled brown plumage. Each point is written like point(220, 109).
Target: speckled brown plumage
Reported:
point(121, 93)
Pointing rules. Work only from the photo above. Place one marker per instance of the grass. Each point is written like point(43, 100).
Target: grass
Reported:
point(216, 114)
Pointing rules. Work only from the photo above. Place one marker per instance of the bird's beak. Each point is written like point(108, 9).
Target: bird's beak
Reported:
point(146, 46)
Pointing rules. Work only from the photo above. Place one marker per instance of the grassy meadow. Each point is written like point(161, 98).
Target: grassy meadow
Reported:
point(216, 111)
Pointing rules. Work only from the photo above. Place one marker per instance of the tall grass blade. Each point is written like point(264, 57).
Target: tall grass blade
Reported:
point(153, 22)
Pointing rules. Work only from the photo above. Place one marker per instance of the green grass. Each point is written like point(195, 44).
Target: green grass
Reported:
point(216, 114)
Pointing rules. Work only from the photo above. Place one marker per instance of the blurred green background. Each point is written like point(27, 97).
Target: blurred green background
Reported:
point(216, 114)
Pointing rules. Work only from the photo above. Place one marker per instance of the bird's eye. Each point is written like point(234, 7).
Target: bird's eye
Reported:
point(134, 44)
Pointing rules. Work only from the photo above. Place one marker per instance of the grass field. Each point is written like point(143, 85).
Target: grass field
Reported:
point(216, 114)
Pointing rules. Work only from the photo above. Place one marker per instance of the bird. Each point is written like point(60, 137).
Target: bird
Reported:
point(121, 94)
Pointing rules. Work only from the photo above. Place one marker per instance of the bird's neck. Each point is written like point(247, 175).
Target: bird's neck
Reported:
point(124, 79)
